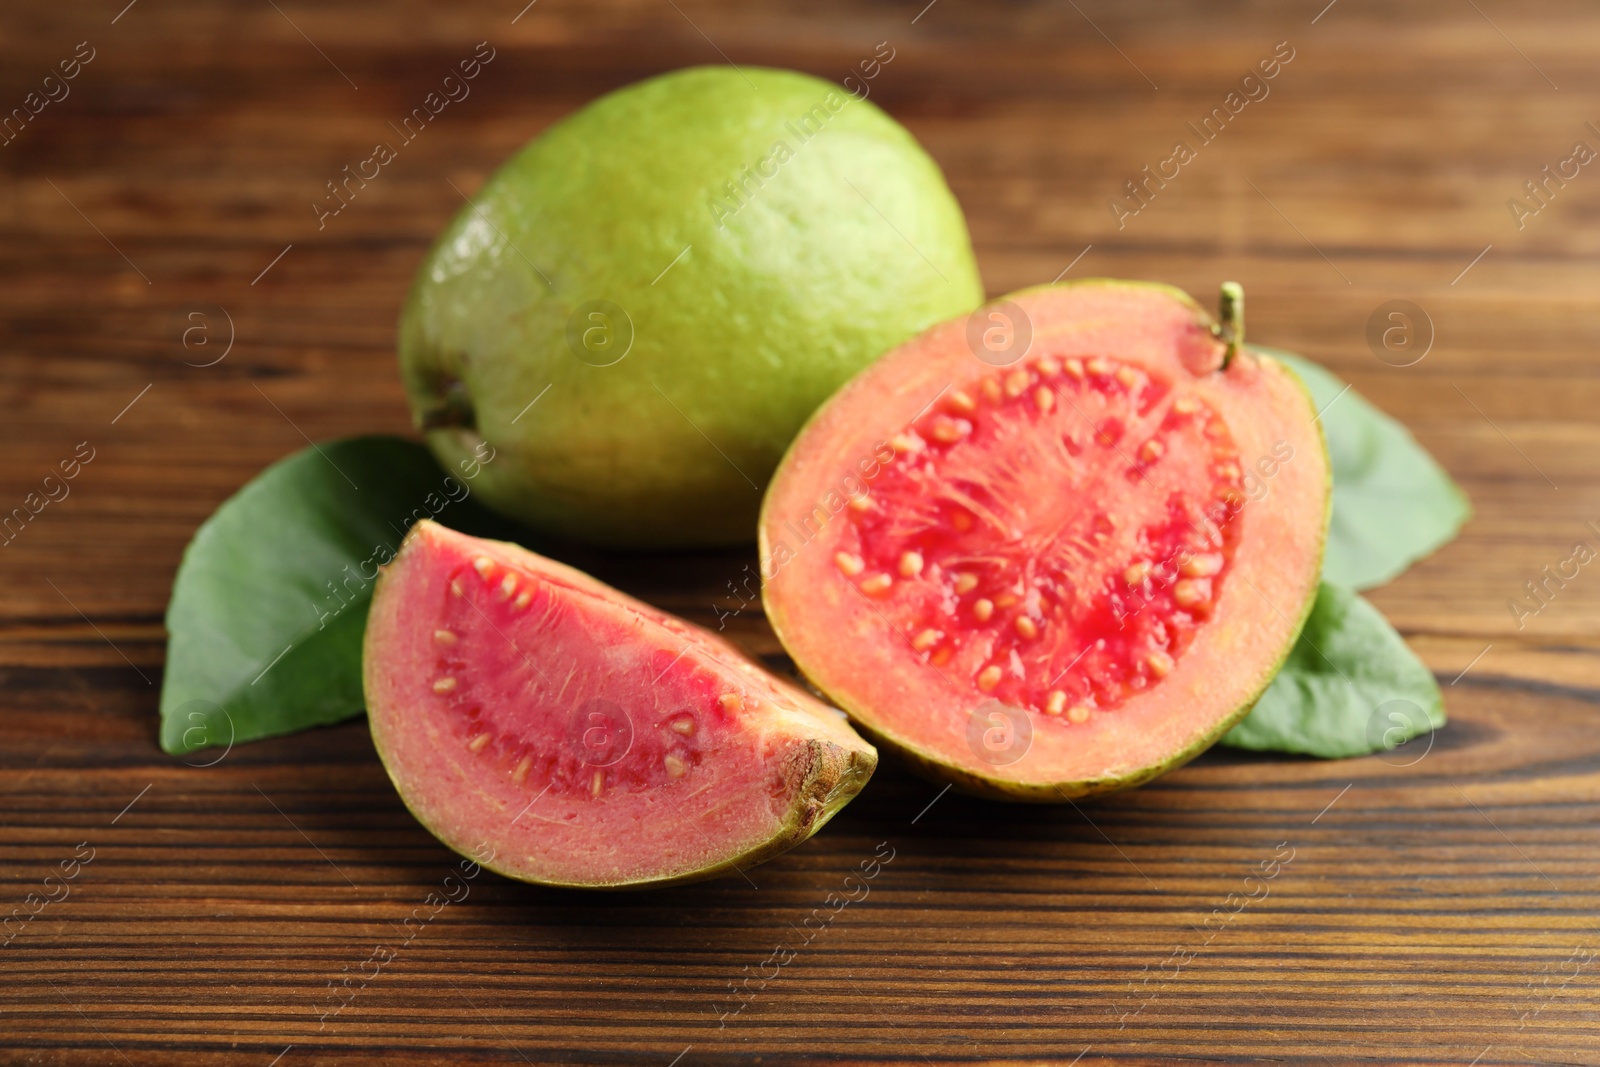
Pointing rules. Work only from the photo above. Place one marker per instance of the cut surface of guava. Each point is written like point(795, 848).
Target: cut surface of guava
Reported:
point(1057, 568)
point(561, 732)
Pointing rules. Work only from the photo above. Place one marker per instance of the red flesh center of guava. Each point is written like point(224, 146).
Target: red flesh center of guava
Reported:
point(1051, 534)
point(515, 659)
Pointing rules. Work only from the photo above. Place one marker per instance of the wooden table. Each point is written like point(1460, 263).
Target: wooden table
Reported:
point(1436, 910)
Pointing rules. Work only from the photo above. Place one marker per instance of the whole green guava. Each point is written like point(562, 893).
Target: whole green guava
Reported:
point(638, 311)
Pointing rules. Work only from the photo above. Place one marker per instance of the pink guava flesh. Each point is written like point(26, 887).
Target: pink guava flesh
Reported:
point(1058, 575)
point(564, 733)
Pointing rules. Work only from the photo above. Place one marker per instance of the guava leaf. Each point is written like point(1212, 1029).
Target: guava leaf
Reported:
point(270, 603)
point(1350, 687)
point(1392, 502)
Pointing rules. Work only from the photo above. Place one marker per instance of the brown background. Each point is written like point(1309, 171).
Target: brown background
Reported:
point(1436, 913)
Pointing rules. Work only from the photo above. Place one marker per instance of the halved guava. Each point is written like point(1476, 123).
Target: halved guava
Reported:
point(1056, 547)
point(561, 732)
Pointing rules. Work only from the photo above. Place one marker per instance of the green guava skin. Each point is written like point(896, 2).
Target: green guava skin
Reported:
point(841, 244)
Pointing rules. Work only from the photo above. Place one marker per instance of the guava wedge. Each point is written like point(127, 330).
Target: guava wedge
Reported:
point(560, 732)
point(1056, 547)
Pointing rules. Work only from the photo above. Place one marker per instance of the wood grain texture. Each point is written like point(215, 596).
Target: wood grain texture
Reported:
point(1439, 909)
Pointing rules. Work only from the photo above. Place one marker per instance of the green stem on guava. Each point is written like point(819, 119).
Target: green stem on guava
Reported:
point(1230, 312)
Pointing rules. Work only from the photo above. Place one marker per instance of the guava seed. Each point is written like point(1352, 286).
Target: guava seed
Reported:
point(877, 585)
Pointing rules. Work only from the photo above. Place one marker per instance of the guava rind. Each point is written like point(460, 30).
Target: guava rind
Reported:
point(786, 612)
point(742, 321)
point(830, 777)
point(456, 793)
